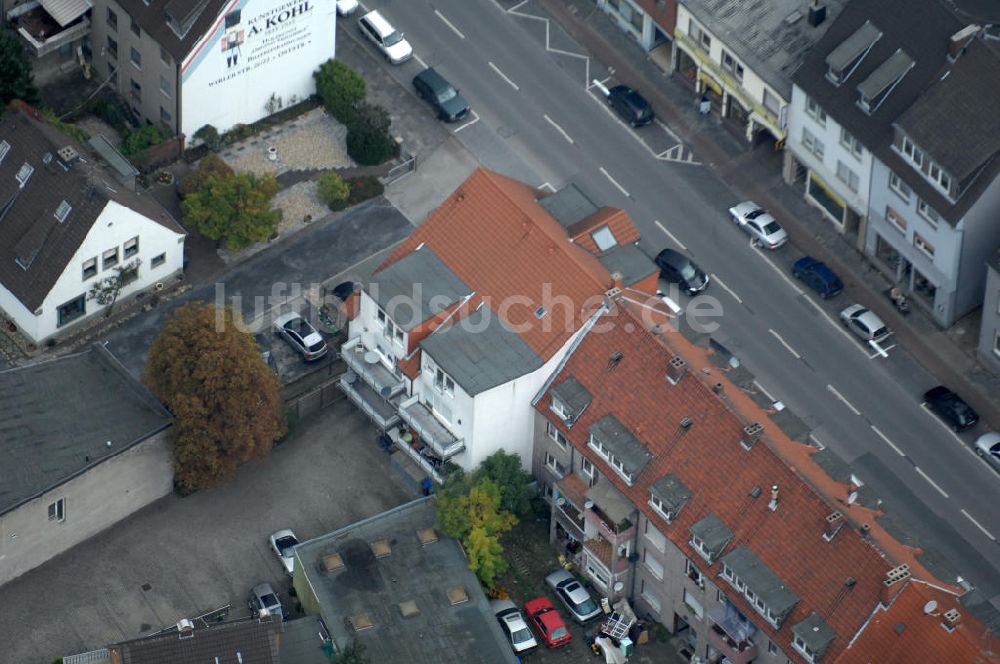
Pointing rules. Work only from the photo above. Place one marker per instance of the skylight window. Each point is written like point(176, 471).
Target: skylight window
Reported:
point(4, 149)
point(25, 173)
point(604, 238)
point(63, 211)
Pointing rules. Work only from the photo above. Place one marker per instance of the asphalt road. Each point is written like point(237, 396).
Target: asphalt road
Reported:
point(536, 120)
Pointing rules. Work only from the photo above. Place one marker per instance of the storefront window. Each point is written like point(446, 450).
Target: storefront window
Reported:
point(818, 192)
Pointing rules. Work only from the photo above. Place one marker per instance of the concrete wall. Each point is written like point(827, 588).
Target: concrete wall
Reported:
point(94, 501)
point(989, 332)
point(981, 226)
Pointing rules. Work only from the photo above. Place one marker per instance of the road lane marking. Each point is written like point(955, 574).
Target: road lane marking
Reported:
point(615, 182)
point(726, 288)
point(422, 63)
point(840, 396)
point(887, 441)
point(475, 119)
point(785, 344)
point(503, 76)
point(979, 525)
point(558, 128)
point(449, 24)
point(548, 37)
point(669, 235)
point(781, 273)
point(930, 481)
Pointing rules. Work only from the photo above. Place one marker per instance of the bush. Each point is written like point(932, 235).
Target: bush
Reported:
point(340, 88)
point(333, 191)
point(111, 113)
point(211, 165)
point(364, 188)
point(137, 140)
point(209, 135)
point(368, 139)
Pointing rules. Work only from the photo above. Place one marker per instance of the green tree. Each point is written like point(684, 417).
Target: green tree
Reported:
point(341, 89)
point(353, 654)
point(210, 164)
point(146, 136)
point(106, 291)
point(226, 402)
point(369, 141)
point(235, 209)
point(210, 136)
point(16, 79)
point(476, 519)
point(333, 190)
point(514, 482)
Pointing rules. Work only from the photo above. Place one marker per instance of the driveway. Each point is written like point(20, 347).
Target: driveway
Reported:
point(183, 557)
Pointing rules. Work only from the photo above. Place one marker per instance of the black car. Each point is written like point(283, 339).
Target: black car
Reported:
point(677, 268)
point(442, 95)
point(343, 290)
point(818, 277)
point(630, 105)
point(951, 408)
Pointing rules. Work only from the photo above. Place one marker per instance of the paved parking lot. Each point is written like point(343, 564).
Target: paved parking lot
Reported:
point(183, 557)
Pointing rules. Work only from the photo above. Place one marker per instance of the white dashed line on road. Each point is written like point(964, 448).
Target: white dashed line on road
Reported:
point(840, 396)
point(785, 344)
point(615, 182)
point(726, 288)
point(422, 63)
point(503, 76)
point(979, 525)
point(669, 235)
point(930, 481)
point(558, 128)
point(474, 120)
point(887, 441)
point(449, 24)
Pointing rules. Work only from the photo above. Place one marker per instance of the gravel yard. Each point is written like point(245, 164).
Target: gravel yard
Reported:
point(313, 141)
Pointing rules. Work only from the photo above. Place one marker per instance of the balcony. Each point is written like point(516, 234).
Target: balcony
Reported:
point(429, 465)
point(609, 511)
point(430, 430)
point(382, 412)
point(42, 33)
point(603, 551)
point(731, 636)
point(368, 365)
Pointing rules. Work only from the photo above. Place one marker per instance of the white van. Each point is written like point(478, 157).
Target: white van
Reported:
point(396, 49)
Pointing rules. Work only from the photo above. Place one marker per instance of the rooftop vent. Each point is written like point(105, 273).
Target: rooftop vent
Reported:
point(360, 622)
point(408, 609)
point(427, 536)
point(755, 492)
point(951, 619)
point(457, 595)
point(817, 14)
point(686, 423)
point(47, 158)
point(185, 628)
point(891, 585)
point(773, 505)
point(961, 39)
point(67, 153)
point(381, 548)
point(751, 434)
point(676, 369)
point(614, 359)
point(24, 173)
point(834, 522)
point(62, 211)
point(539, 312)
point(332, 562)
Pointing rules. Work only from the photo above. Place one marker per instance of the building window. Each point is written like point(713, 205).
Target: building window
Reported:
point(164, 116)
point(694, 573)
point(612, 460)
point(815, 111)
point(587, 468)
point(720, 596)
point(901, 188)
point(913, 153)
point(165, 86)
point(57, 510)
point(730, 65)
point(136, 57)
point(654, 566)
point(939, 177)
point(927, 212)
point(135, 28)
point(649, 596)
point(109, 258)
point(559, 408)
point(158, 260)
point(112, 49)
point(693, 604)
point(699, 36)
point(112, 20)
point(165, 57)
point(850, 142)
point(771, 102)
point(89, 268)
point(131, 247)
point(70, 311)
point(556, 435)
point(847, 176)
point(923, 245)
point(699, 546)
point(658, 505)
point(444, 383)
point(553, 464)
point(801, 646)
point(390, 329)
point(895, 219)
point(812, 144)
point(771, 648)
point(136, 91)
point(656, 539)
point(604, 238)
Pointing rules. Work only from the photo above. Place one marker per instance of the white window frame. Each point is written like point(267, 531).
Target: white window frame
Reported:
point(699, 545)
point(610, 458)
point(657, 505)
point(733, 66)
point(109, 258)
point(912, 153)
point(815, 111)
point(851, 143)
point(848, 177)
point(922, 244)
point(929, 214)
point(801, 647)
point(655, 567)
point(895, 219)
point(559, 408)
point(443, 383)
point(689, 569)
point(390, 330)
point(57, 510)
point(813, 144)
point(131, 247)
point(939, 178)
point(92, 263)
point(899, 187)
point(604, 238)
point(552, 463)
point(556, 435)
point(587, 468)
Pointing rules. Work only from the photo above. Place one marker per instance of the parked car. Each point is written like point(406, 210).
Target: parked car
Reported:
point(263, 597)
point(346, 7)
point(264, 344)
point(548, 622)
point(448, 103)
point(864, 323)
point(513, 625)
point(575, 597)
point(759, 223)
point(631, 106)
point(385, 37)
point(302, 336)
point(988, 447)
point(951, 408)
point(817, 276)
point(677, 268)
point(283, 544)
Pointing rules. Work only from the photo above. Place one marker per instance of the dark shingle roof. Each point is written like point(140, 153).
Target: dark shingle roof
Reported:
point(815, 632)
point(629, 261)
point(248, 641)
point(671, 492)
point(713, 533)
point(158, 16)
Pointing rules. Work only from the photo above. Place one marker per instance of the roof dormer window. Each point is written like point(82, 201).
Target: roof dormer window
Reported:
point(914, 154)
point(560, 409)
point(880, 83)
point(62, 211)
point(843, 60)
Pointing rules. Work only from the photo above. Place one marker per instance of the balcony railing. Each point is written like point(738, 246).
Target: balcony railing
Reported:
point(368, 364)
point(731, 636)
point(429, 428)
point(573, 517)
point(616, 533)
point(44, 35)
point(382, 412)
point(602, 551)
point(429, 467)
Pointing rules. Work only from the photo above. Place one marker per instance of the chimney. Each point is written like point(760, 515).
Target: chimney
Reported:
point(960, 40)
point(834, 522)
point(618, 279)
point(892, 584)
point(773, 505)
point(751, 434)
point(952, 618)
point(676, 369)
point(817, 14)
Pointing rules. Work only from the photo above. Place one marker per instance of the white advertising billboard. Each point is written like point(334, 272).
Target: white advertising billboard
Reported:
point(258, 57)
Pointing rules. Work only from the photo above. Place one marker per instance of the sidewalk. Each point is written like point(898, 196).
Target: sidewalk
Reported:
point(757, 175)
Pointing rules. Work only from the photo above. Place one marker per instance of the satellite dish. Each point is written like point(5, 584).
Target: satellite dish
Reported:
point(560, 501)
point(350, 377)
point(618, 587)
point(930, 607)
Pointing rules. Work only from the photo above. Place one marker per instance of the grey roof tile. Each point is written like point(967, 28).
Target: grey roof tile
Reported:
point(611, 502)
point(248, 641)
point(629, 261)
point(572, 394)
point(416, 288)
point(815, 632)
point(568, 205)
point(759, 578)
point(713, 533)
point(616, 437)
point(671, 492)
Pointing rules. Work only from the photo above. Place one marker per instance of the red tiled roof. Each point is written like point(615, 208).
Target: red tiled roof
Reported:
point(493, 234)
point(616, 219)
point(709, 460)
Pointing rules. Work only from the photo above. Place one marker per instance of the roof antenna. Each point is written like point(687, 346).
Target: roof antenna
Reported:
point(615, 358)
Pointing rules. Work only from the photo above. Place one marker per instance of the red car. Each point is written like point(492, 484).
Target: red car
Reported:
point(547, 621)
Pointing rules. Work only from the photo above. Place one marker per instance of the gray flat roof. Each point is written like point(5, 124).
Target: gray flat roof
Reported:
point(629, 261)
point(568, 205)
point(759, 578)
point(416, 288)
point(573, 395)
point(479, 352)
point(713, 533)
point(815, 631)
point(626, 447)
point(440, 632)
point(300, 642)
point(57, 418)
point(671, 492)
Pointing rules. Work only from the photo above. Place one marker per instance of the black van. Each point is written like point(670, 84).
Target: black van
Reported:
point(442, 95)
point(630, 105)
point(677, 268)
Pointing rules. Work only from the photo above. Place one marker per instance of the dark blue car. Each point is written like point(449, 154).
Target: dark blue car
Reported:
point(817, 276)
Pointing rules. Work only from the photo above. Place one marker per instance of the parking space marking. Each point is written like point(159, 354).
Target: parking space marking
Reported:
point(615, 182)
point(978, 525)
point(669, 235)
point(819, 444)
point(785, 344)
point(947, 428)
point(548, 38)
point(679, 153)
point(834, 392)
point(474, 120)
point(726, 288)
point(547, 185)
point(422, 63)
point(558, 128)
point(504, 76)
point(449, 24)
point(761, 388)
point(887, 441)
point(930, 481)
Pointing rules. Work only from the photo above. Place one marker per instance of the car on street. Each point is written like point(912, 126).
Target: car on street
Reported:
point(386, 38)
point(864, 323)
point(283, 544)
point(547, 622)
point(817, 276)
point(630, 106)
point(446, 100)
point(263, 597)
point(302, 336)
point(513, 625)
point(677, 268)
point(575, 597)
point(988, 447)
point(346, 7)
point(951, 408)
point(759, 224)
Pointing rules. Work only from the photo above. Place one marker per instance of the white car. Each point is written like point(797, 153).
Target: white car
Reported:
point(864, 323)
point(759, 223)
point(385, 37)
point(574, 597)
point(513, 625)
point(283, 544)
point(346, 7)
point(988, 447)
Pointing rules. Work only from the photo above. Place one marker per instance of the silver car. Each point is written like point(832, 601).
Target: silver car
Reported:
point(988, 447)
point(864, 323)
point(759, 224)
point(263, 597)
point(283, 544)
point(513, 625)
point(297, 331)
point(575, 597)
